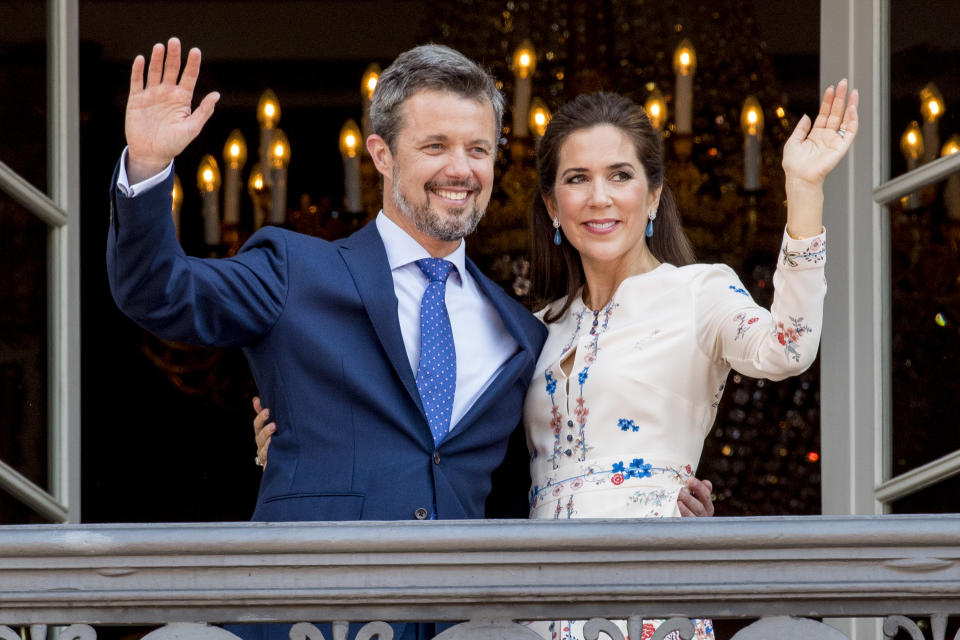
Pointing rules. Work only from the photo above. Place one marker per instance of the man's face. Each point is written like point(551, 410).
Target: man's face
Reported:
point(441, 169)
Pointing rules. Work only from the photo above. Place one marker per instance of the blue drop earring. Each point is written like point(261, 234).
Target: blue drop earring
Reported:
point(653, 215)
point(556, 233)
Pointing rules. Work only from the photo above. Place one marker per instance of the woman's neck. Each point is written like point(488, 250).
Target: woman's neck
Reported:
point(603, 278)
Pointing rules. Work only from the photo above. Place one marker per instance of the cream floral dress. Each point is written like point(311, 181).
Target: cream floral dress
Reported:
point(620, 434)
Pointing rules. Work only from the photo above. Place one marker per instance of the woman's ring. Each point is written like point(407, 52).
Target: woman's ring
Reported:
point(841, 132)
point(256, 460)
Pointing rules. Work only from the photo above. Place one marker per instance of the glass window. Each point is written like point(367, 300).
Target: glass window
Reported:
point(924, 87)
point(23, 341)
point(23, 89)
point(925, 277)
point(924, 235)
point(939, 498)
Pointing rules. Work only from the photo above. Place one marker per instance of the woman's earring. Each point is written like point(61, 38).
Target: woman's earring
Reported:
point(652, 217)
point(556, 234)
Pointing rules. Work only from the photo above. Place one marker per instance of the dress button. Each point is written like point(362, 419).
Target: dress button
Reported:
point(436, 457)
point(569, 423)
point(420, 514)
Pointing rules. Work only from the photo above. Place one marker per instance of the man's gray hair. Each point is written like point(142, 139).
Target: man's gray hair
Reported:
point(429, 66)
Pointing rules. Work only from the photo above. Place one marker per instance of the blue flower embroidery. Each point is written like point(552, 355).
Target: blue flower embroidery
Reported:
point(551, 383)
point(582, 377)
point(739, 290)
point(638, 469)
point(625, 424)
point(618, 467)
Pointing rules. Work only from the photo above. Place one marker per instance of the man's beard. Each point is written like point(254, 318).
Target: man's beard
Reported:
point(450, 226)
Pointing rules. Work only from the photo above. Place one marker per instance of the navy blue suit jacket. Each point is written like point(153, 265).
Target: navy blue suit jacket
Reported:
point(318, 323)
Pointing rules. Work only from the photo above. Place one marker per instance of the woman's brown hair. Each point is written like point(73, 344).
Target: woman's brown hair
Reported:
point(557, 270)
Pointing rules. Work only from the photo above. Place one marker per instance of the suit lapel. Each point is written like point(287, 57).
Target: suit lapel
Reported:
point(525, 356)
point(366, 259)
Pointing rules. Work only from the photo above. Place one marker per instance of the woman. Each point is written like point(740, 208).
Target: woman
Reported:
point(641, 339)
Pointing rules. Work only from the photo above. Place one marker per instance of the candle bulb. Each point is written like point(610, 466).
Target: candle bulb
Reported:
point(656, 107)
point(350, 150)
point(684, 65)
point(523, 65)
point(751, 121)
point(279, 161)
point(256, 187)
point(234, 157)
point(931, 106)
point(268, 115)
point(951, 192)
point(177, 203)
point(911, 145)
point(539, 118)
point(367, 85)
point(208, 181)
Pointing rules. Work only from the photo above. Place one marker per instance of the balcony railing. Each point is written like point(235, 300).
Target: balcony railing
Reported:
point(487, 572)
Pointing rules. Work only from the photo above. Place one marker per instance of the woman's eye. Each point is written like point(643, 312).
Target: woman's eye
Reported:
point(576, 179)
point(622, 176)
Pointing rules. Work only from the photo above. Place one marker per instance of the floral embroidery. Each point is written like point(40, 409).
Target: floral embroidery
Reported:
point(739, 290)
point(551, 383)
point(555, 419)
point(642, 342)
point(616, 474)
point(638, 469)
point(627, 425)
point(576, 334)
point(790, 336)
point(718, 394)
point(815, 252)
point(744, 323)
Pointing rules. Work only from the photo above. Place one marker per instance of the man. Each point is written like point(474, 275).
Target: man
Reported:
point(396, 369)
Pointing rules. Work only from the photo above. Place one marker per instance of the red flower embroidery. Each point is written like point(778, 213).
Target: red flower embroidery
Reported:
point(752, 320)
point(617, 479)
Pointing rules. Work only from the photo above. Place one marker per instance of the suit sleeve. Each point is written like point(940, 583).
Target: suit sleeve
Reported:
point(212, 302)
point(772, 344)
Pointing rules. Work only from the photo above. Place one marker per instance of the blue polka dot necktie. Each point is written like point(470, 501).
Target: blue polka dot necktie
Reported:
point(437, 372)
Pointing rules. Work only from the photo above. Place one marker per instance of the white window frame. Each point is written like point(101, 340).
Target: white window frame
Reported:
point(60, 210)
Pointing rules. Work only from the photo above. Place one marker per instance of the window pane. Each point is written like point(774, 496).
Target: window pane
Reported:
point(940, 498)
point(23, 89)
point(925, 54)
point(925, 276)
point(23, 341)
point(12, 511)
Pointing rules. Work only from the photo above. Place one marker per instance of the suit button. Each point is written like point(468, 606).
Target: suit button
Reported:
point(421, 514)
point(436, 457)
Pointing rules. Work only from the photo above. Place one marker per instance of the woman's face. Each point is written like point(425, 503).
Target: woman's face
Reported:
point(601, 197)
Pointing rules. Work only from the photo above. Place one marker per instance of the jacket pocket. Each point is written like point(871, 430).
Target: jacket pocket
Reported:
point(302, 507)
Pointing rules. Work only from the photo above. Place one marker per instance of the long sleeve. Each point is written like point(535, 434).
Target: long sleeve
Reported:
point(772, 344)
point(229, 302)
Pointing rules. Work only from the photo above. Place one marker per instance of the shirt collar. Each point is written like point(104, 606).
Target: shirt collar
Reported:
point(402, 249)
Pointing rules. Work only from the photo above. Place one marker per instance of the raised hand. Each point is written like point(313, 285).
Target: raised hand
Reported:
point(159, 122)
point(812, 152)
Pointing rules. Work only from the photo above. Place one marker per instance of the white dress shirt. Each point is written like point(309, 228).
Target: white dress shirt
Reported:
point(483, 344)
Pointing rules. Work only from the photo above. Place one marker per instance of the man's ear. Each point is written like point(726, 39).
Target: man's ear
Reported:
point(380, 154)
